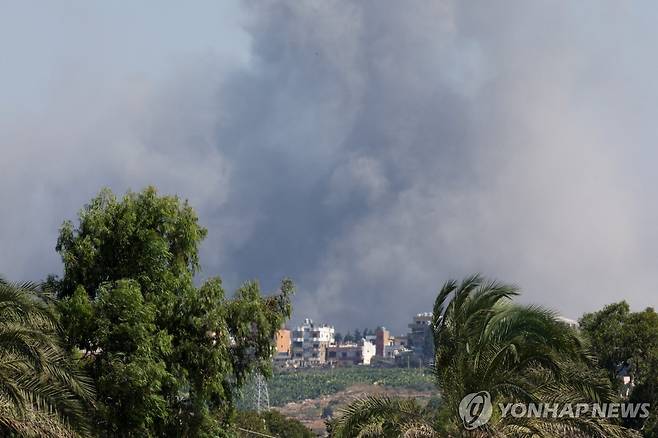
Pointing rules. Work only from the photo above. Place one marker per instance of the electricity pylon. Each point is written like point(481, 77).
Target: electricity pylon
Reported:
point(261, 394)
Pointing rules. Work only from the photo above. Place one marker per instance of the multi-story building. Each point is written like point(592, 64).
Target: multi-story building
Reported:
point(283, 344)
point(382, 340)
point(283, 341)
point(310, 342)
point(351, 354)
point(419, 338)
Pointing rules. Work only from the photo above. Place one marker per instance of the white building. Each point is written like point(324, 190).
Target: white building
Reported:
point(351, 354)
point(310, 342)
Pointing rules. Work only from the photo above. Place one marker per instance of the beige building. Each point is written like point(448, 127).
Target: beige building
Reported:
point(283, 341)
point(351, 354)
point(381, 341)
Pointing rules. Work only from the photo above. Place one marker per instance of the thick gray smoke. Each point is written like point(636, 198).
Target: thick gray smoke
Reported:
point(371, 150)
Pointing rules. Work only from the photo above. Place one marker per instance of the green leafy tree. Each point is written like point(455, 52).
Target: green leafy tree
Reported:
point(145, 237)
point(270, 423)
point(250, 423)
point(167, 358)
point(484, 342)
point(338, 338)
point(619, 336)
point(125, 356)
point(357, 335)
point(42, 393)
point(282, 426)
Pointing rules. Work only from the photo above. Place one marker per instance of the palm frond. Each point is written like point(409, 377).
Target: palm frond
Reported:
point(379, 416)
point(41, 394)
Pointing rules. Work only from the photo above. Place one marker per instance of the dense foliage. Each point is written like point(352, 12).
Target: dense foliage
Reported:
point(270, 423)
point(484, 342)
point(296, 385)
point(42, 394)
point(620, 338)
point(517, 353)
point(167, 358)
point(618, 335)
point(132, 347)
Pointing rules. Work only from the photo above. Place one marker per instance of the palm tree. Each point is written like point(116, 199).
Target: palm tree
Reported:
point(485, 342)
point(41, 393)
point(381, 416)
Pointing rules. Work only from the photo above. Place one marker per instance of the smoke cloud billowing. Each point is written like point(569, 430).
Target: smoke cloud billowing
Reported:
point(371, 150)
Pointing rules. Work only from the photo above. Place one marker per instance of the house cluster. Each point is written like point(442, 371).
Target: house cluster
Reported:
point(315, 345)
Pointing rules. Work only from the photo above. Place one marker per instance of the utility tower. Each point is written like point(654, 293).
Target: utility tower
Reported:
point(261, 394)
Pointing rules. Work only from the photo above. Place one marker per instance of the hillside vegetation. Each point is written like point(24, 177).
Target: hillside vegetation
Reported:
point(296, 385)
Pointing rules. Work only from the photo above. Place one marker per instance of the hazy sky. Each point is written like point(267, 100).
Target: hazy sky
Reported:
point(370, 150)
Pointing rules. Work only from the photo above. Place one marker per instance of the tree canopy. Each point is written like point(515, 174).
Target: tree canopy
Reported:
point(270, 423)
point(621, 338)
point(485, 342)
point(167, 357)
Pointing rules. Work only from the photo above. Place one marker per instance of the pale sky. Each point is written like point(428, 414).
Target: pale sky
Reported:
point(369, 150)
point(46, 43)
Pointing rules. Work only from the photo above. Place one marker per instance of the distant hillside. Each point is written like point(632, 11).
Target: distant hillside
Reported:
point(313, 412)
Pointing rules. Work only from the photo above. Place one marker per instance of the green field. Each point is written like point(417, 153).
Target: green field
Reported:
point(295, 385)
